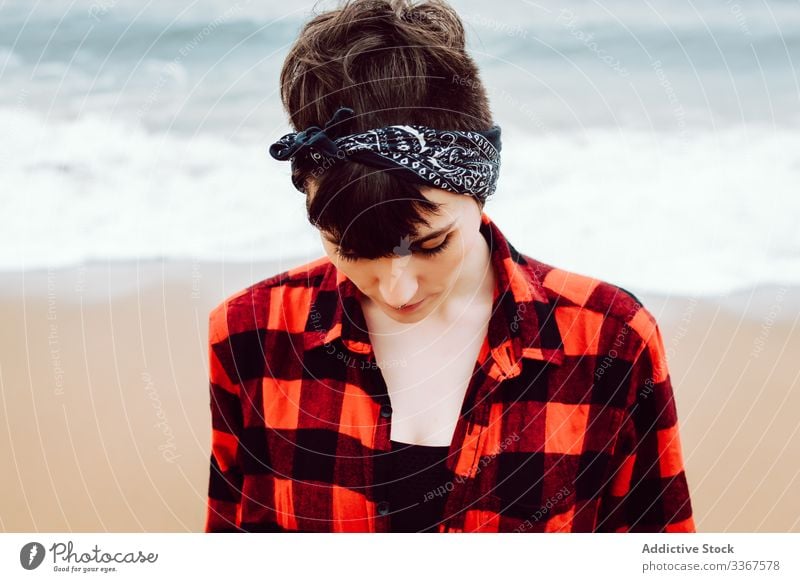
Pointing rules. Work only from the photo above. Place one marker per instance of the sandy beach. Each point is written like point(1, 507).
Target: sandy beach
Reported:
point(106, 415)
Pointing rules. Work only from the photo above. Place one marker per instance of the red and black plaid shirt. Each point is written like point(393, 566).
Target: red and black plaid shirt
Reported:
point(568, 423)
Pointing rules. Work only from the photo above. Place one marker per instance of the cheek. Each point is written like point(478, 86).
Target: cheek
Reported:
point(345, 267)
point(357, 271)
point(470, 241)
point(451, 261)
point(465, 245)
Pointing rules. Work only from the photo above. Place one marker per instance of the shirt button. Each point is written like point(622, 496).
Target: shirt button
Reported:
point(383, 507)
point(386, 411)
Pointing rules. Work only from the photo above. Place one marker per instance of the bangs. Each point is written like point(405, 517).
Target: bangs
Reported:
point(367, 211)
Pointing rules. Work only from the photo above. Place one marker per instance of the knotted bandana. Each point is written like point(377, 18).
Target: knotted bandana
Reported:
point(463, 162)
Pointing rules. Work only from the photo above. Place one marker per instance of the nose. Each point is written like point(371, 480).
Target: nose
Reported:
point(398, 284)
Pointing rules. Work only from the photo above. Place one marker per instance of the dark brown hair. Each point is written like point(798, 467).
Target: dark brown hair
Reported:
point(393, 62)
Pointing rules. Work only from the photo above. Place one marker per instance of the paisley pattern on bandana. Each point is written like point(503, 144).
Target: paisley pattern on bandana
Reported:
point(463, 162)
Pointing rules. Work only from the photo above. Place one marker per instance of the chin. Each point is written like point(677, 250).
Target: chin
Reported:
point(407, 317)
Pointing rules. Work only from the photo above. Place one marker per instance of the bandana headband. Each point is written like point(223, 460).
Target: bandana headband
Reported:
point(463, 162)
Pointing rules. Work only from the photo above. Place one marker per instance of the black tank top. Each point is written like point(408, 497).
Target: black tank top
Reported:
point(418, 483)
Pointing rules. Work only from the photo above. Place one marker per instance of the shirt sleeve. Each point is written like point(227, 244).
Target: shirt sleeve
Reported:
point(223, 510)
point(647, 490)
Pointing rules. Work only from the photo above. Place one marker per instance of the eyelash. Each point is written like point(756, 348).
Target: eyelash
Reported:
point(427, 252)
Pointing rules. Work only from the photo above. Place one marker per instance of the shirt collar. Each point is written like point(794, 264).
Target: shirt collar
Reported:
point(522, 324)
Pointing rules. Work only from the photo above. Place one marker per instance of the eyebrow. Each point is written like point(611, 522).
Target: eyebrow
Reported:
point(427, 237)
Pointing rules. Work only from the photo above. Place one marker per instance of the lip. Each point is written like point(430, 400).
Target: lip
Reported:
point(410, 308)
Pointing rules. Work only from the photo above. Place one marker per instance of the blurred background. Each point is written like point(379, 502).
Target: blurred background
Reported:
point(658, 139)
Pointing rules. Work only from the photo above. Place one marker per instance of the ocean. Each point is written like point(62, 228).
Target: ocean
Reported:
point(655, 145)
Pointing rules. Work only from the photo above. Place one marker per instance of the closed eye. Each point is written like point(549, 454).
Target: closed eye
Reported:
point(350, 257)
point(435, 250)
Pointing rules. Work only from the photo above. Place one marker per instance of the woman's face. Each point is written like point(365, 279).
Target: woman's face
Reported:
point(424, 270)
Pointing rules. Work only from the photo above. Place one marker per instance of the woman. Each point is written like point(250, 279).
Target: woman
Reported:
point(424, 375)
